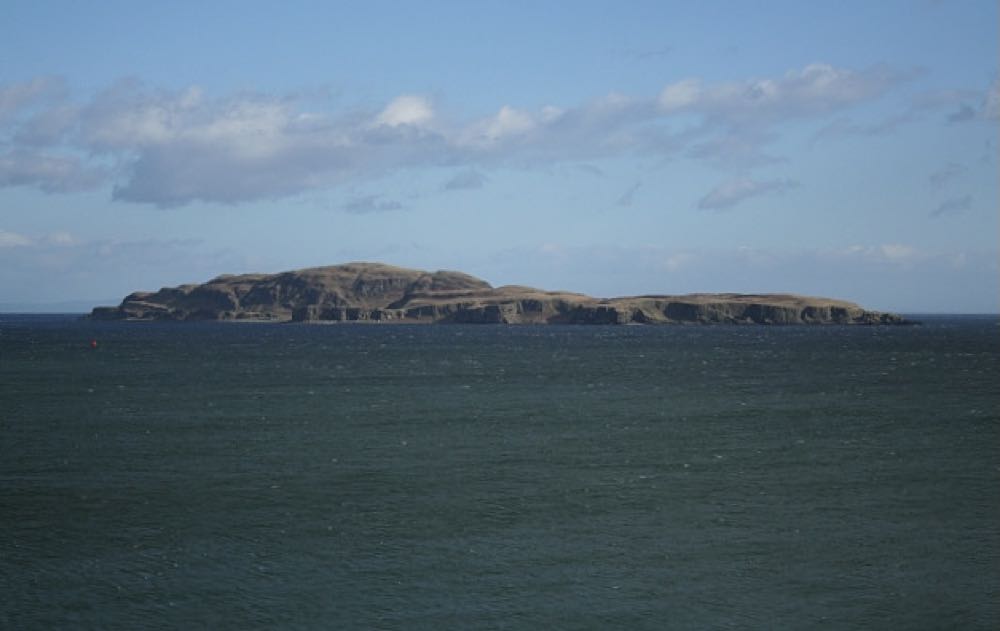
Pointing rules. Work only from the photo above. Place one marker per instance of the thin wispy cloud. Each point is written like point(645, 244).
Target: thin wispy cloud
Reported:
point(977, 106)
point(903, 269)
point(626, 199)
point(953, 206)
point(371, 204)
point(646, 54)
point(955, 106)
point(732, 192)
point(589, 169)
point(945, 175)
point(465, 180)
point(106, 267)
point(845, 127)
point(965, 112)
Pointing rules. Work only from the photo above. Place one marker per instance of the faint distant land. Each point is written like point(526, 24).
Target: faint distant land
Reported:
point(375, 292)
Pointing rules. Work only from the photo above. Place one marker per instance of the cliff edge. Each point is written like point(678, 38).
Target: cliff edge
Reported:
point(377, 292)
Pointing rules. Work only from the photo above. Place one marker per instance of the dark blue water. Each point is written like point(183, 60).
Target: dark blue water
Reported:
point(405, 477)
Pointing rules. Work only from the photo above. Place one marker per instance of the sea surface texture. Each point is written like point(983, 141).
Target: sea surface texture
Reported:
point(244, 476)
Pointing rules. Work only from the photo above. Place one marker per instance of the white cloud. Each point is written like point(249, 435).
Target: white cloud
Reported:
point(247, 127)
point(897, 252)
point(126, 116)
point(406, 110)
point(171, 148)
point(680, 95)
point(815, 89)
point(508, 122)
point(991, 106)
point(551, 113)
point(61, 238)
point(181, 147)
point(14, 240)
point(732, 192)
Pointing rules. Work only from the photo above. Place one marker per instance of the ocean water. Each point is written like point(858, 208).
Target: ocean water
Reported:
point(240, 476)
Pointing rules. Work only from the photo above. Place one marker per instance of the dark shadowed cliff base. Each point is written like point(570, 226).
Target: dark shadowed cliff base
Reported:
point(374, 292)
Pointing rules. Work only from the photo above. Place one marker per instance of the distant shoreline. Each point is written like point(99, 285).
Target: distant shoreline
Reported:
point(915, 315)
point(364, 291)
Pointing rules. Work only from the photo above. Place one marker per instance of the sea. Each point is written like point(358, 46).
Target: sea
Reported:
point(353, 476)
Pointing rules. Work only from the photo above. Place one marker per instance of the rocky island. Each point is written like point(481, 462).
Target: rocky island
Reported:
point(375, 292)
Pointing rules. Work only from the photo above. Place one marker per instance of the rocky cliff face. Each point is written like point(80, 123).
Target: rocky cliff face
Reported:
point(358, 292)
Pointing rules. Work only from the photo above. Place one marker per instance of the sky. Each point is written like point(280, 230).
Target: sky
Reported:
point(841, 149)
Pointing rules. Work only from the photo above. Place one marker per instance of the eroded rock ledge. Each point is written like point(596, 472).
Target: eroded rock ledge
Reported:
point(374, 292)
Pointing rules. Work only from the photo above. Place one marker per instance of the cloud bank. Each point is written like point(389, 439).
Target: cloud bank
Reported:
point(174, 147)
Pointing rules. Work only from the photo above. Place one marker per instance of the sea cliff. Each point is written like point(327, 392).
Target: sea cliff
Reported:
point(375, 292)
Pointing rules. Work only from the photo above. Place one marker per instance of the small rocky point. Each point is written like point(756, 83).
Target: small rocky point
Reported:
point(374, 292)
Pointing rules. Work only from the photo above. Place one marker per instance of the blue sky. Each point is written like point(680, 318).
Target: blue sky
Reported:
point(842, 149)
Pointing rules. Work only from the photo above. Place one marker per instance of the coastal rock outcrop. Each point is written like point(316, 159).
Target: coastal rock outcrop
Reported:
point(374, 292)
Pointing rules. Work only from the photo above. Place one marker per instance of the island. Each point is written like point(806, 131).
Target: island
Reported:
point(376, 292)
